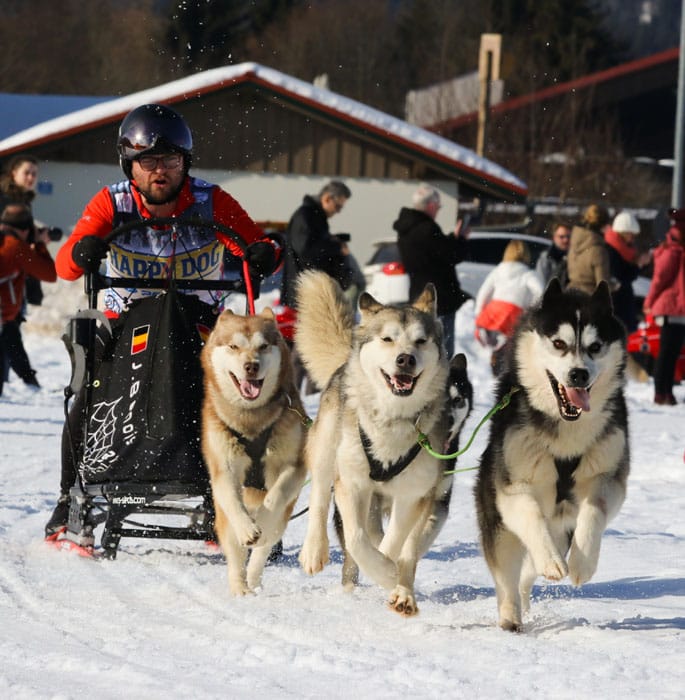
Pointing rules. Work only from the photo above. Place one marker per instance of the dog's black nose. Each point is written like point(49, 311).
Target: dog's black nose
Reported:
point(578, 377)
point(251, 368)
point(405, 361)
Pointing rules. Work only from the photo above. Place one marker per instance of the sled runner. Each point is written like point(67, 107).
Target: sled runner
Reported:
point(138, 382)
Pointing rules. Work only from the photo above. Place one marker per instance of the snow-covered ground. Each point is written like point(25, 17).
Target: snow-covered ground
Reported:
point(158, 621)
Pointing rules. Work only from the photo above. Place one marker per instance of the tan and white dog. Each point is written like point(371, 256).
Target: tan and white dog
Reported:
point(252, 440)
point(383, 379)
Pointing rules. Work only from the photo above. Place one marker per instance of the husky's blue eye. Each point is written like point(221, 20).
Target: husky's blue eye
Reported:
point(595, 348)
point(560, 345)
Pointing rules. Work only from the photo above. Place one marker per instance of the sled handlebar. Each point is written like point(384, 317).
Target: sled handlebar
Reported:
point(95, 282)
point(167, 222)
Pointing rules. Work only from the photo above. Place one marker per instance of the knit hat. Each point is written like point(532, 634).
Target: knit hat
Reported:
point(625, 222)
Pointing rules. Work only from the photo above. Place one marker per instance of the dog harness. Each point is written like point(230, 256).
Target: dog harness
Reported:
point(377, 471)
point(255, 449)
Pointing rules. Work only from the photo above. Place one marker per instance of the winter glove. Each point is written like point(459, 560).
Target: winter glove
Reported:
point(88, 253)
point(261, 257)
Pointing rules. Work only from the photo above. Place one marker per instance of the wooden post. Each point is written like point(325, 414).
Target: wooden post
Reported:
point(488, 70)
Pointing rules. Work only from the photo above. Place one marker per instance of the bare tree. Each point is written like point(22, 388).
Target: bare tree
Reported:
point(71, 47)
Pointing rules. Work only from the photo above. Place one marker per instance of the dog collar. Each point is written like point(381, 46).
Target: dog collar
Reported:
point(377, 471)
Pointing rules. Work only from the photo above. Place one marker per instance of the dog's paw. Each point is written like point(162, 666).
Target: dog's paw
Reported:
point(509, 616)
point(314, 555)
point(581, 565)
point(554, 569)
point(510, 625)
point(402, 601)
point(247, 532)
point(239, 588)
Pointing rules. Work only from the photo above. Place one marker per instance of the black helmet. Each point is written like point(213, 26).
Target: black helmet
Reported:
point(153, 129)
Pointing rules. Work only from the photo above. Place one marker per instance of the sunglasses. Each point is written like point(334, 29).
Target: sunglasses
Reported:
point(170, 162)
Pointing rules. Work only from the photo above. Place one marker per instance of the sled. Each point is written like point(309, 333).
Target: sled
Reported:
point(138, 377)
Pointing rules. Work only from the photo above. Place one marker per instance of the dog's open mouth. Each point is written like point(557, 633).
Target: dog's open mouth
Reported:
point(400, 384)
point(249, 388)
point(572, 401)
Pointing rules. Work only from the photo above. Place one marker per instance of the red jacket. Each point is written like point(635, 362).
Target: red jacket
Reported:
point(666, 296)
point(99, 214)
point(17, 259)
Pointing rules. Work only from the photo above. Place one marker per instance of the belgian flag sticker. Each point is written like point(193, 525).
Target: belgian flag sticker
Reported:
point(139, 339)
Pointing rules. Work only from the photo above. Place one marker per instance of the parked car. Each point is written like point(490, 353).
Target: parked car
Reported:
point(387, 281)
point(643, 345)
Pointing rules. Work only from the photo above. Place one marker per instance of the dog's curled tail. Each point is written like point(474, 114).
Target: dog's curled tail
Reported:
point(325, 320)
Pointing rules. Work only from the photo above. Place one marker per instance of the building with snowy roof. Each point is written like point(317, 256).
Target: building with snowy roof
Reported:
point(268, 139)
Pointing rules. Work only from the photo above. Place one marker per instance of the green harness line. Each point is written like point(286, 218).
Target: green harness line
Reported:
point(423, 438)
point(425, 443)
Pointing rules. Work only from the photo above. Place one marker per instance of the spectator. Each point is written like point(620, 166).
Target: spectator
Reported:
point(428, 255)
point(17, 186)
point(18, 258)
point(552, 262)
point(666, 302)
point(18, 182)
point(506, 292)
point(625, 261)
point(309, 242)
point(155, 152)
point(588, 258)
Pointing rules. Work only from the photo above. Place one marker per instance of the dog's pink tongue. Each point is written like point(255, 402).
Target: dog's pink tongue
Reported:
point(403, 382)
point(250, 389)
point(580, 398)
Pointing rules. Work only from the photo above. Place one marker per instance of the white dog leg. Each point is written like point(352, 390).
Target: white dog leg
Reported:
point(256, 564)
point(402, 599)
point(522, 515)
point(320, 460)
point(354, 506)
point(505, 565)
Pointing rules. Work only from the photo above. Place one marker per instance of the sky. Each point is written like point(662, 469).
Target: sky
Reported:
point(158, 621)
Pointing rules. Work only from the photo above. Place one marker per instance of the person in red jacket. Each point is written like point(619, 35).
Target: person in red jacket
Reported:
point(666, 302)
point(155, 147)
point(155, 152)
point(19, 258)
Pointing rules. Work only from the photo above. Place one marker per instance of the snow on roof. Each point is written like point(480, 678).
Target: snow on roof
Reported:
point(325, 100)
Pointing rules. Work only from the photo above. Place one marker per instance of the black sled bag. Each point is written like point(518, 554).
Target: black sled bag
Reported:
point(143, 419)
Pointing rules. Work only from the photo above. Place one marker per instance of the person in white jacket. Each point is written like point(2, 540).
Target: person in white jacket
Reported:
point(505, 293)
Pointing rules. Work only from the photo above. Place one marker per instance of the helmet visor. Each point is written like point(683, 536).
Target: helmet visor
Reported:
point(154, 129)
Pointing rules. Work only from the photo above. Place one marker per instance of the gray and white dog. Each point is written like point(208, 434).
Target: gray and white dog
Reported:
point(384, 380)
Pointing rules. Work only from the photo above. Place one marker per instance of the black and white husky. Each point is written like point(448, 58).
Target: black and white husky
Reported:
point(555, 469)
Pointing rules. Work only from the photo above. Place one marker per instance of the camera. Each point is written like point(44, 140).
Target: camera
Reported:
point(54, 234)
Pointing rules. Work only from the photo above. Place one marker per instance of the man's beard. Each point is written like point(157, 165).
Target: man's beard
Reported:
point(157, 201)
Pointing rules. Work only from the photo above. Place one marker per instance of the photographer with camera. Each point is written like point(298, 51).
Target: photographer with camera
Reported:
point(18, 186)
point(19, 258)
